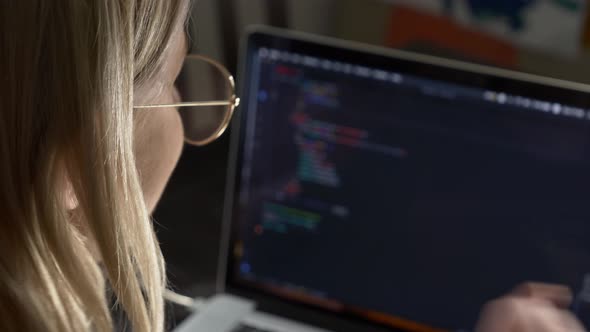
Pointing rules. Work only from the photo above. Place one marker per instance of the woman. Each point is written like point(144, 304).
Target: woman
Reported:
point(80, 170)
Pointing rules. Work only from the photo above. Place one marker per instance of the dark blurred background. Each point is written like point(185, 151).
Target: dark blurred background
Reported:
point(545, 37)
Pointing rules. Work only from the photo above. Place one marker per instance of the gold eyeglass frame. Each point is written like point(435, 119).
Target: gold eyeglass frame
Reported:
point(232, 103)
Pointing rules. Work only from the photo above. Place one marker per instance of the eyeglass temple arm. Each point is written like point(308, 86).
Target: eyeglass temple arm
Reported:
point(234, 103)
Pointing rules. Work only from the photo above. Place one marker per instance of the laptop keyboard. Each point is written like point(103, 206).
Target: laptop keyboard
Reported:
point(248, 328)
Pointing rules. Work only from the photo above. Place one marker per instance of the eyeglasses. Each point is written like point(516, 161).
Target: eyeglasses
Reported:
point(202, 78)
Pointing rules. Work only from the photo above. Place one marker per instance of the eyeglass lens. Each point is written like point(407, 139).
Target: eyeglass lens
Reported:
point(202, 81)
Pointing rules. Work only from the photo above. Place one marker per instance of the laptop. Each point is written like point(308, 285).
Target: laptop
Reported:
point(373, 189)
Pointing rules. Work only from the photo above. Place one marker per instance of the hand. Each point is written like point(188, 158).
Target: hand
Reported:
point(531, 307)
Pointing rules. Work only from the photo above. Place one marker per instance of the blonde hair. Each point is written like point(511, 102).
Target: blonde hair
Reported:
point(67, 71)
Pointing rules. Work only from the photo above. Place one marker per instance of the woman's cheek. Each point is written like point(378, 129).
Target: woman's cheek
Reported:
point(159, 139)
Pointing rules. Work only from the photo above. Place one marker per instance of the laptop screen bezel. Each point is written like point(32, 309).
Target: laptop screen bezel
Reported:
point(462, 73)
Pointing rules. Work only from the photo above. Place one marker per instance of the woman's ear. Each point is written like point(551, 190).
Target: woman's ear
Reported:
point(71, 204)
point(68, 194)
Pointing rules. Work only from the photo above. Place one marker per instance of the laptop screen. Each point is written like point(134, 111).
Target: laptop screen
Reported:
point(407, 193)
